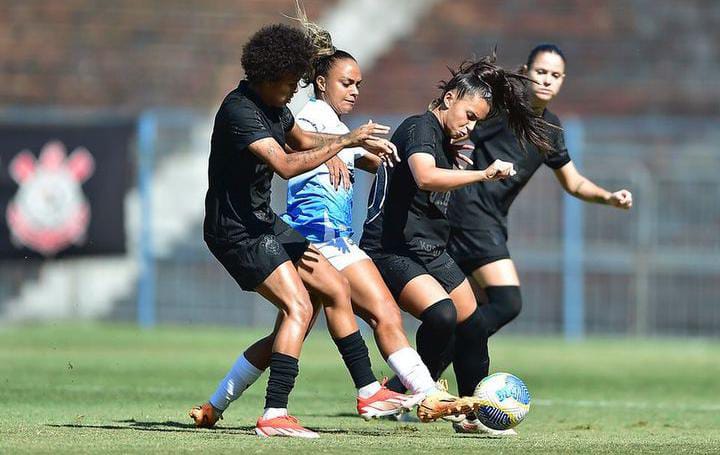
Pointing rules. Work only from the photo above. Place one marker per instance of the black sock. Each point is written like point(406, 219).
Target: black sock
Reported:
point(504, 304)
point(434, 335)
point(354, 353)
point(283, 371)
point(396, 385)
point(472, 359)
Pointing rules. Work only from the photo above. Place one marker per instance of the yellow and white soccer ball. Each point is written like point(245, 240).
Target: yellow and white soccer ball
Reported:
point(507, 401)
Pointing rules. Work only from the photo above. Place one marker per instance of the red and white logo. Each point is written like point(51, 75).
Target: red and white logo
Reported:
point(49, 212)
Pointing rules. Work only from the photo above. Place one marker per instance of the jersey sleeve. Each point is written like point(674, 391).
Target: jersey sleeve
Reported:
point(286, 119)
point(245, 125)
point(560, 156)
point(420, 139)
point(308, 125)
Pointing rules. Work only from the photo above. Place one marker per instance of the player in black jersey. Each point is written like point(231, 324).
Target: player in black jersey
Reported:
point(407, 230)
point(254, 136)
point(478, 213)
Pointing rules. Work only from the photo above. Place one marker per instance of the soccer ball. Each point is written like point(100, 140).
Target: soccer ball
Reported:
point(507, 401)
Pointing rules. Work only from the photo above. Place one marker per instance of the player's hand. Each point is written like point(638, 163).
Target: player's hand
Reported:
point(499, 170)
point(461, 160)
point(339, 173)
point(384, 149)
point(368, 138)
point(370, 130)
point(621, 199)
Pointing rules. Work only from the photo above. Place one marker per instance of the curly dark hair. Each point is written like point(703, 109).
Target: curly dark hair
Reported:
point(276, 51)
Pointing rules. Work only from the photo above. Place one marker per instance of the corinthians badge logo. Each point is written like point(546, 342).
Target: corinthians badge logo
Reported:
point(49, 212)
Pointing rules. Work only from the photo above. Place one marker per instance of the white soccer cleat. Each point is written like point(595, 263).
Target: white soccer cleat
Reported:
point(475, 426)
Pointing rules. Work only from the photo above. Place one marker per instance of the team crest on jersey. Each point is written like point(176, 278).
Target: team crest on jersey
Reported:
point(50, 212)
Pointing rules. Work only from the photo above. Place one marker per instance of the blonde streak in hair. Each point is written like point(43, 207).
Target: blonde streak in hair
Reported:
point(320, 38)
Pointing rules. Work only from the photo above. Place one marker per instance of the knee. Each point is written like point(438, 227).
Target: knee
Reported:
point(338, 290)
point(388, 318)
point(507, 300)
point(441, 317)
point(300, 311)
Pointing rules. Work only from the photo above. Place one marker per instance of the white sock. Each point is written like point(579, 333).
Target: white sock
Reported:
point(407, 364)
point(369, 390)
point(271, 413)
point(241, 376)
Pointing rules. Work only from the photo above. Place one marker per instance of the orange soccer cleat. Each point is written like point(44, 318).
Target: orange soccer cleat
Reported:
point(386, 402)
point(283, 426)
point(205, 416)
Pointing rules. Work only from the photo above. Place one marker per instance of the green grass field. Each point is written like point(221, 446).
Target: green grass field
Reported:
point(119, 389)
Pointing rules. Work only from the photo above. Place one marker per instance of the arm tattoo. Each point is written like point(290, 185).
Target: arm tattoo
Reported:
point(270, 150)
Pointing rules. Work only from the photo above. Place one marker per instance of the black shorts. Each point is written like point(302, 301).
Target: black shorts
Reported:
point(251, 260)
point(474, 248)
point(398, 269)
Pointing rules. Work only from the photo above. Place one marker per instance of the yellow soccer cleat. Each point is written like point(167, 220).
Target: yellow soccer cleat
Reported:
point(442, 404)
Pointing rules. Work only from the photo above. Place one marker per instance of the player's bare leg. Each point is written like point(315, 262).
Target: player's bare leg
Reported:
point(425, 298)
point(323, 280)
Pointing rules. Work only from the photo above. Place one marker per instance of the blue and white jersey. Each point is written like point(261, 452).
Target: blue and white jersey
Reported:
point(314, 207)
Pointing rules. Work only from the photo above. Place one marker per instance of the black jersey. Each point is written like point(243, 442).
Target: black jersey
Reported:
point(475, 206)
point(402, 217)
point(237, 203)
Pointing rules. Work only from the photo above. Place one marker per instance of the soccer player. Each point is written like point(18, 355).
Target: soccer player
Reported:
point(262, 253)
point(478, 213)
point(407, 230)
point(320, 208)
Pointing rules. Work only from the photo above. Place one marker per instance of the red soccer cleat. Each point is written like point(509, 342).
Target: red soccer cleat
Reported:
point(284, 426)
point(386, 402)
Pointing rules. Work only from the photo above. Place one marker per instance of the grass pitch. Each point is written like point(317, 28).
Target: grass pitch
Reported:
point(109, 388)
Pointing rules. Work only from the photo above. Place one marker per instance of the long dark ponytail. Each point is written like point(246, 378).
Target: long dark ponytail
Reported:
point(505, 92)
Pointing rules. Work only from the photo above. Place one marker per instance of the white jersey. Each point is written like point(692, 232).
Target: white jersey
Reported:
point(314, 207)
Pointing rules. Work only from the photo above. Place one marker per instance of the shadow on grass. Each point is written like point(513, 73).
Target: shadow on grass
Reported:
point(179, 427)
point(166, 426)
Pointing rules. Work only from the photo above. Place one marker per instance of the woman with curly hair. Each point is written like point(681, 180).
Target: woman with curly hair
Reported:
point(254, 136)
point(320, 208)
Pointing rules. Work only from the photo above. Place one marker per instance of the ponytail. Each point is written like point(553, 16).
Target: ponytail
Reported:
point(505, 92)
point(326, 54)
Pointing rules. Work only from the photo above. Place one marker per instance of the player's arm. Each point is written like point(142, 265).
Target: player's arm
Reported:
point(302, 140)
point(582, 188)
point(429, 177)
point(368, 163)
point(288, 165)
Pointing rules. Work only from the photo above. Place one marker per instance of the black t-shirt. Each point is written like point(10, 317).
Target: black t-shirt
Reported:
point(479, 205)
point(237, 204)
point(411, 220)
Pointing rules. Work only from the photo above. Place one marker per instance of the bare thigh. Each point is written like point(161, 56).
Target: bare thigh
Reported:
point(498, 273)
point(421, 293)
point(371, 299)
point(325, 283)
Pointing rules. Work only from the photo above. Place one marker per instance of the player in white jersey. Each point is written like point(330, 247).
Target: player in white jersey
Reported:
point(320, 208)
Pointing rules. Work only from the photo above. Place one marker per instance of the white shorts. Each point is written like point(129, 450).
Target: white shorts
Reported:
point(341, 252)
